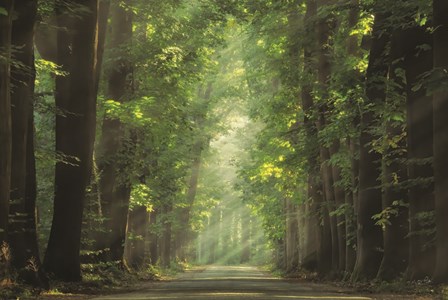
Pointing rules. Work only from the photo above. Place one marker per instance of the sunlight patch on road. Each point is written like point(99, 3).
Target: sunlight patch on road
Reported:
point(323, 297)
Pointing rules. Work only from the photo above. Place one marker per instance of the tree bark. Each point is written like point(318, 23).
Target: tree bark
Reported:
point(137, 223)
point(22, 234)
point(103, 17)
point(76, 98)
point(115, 186)
point(395, 196)
point(339, 196)
point(315, 191)
point(351, 196)
point(440, 102)
point(325, 26)
point(351, 200)
point(5, 116)
point(183, 235)
point(369, 237)
point(420, 151)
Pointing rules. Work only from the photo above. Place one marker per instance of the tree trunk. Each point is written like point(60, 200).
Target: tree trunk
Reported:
point(440, 35)
point(420, 145)
point(153, 237)
point(339, 196)
point(165, 245)
point(329, 204)
point(315, 192)
point(351, 196)
point(310, 240)
point(291, 209)
point(292, 234)
point(395, 198)
point(103, 17)
point(183, 234)
point(325, 25)
point(369, 237)
point(114, 154)
point(137, 223)
point(22, 235)
point(351, 199)
point(76, 98)
point(5, 116)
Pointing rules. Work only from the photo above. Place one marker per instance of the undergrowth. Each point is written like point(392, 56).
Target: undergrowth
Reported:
point(98, 278)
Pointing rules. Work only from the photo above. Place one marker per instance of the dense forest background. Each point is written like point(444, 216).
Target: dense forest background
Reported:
point(312, 134)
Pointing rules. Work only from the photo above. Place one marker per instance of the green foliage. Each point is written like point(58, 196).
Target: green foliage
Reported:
point(383, 218)
point(3, 11)
point(220, 73)
point(141, 196)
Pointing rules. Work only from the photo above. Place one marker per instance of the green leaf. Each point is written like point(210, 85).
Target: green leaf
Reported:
point(3, 11)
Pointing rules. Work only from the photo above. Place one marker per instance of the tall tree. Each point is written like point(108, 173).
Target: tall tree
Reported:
point(325, 27)
point(22, 235)
point(76, 99)
point(183, 235)
point(353, 50)
point(395, 200)
point(369, 236)
point(314, 183)
point(440, 104)
point(5, 114)
point(420, 152)
point(115, 183)
point(137, 227)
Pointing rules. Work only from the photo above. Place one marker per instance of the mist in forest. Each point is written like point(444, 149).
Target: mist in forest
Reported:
point(232, 234)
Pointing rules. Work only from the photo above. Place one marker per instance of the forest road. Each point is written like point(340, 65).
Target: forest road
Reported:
point(238, 282)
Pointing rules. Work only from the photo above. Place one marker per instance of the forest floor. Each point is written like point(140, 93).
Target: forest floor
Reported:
point(234, 282)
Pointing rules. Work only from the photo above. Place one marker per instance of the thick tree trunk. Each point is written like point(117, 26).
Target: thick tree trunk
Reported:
point(310, 239)
point(315, 191)
point(5, 116)
point(329, 204)
point(114, 158)
point(76, 98)
point(22, 235)
point(103, 17)
point(420, 145)
point(137, 223)
point(440, 35)
point(369, 237)
point(325, 26)
point(291, 209)
point(339, 196)
point(395, 196)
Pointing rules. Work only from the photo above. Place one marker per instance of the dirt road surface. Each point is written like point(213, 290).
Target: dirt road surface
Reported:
point(242, 283)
